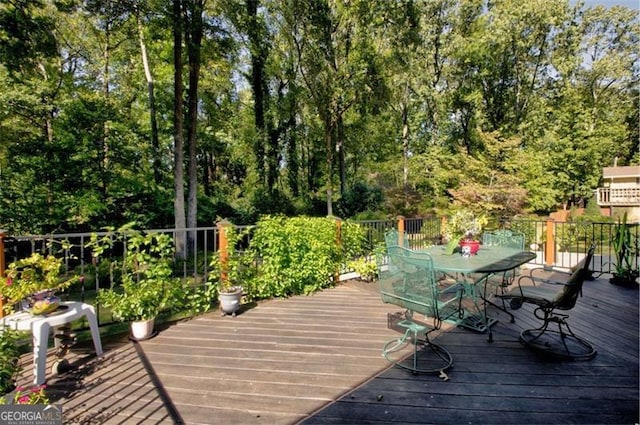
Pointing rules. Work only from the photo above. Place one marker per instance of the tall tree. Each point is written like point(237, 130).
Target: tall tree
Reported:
point(153, 120)
point(194, 10)
point(329, 43)
point(178, 132)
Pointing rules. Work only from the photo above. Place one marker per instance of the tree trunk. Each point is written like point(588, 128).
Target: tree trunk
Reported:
point(104, 163)
point(155, 144)
point(341, 156)
point(178, 135)
point(193, 49)
point(405, 152)
point(258, 87)
point(328, 129)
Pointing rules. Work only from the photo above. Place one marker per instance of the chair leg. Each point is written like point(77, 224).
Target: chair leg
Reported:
point(503, 308)
point(561, 343)
point(437, 357)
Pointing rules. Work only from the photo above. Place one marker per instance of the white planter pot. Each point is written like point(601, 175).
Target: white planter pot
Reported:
point(230, 302)
point(142, 329)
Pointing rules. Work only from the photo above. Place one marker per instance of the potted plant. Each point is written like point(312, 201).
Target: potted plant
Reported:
point(32, 282)
point(27, 395)
point(462, 229)
point(230, 270)
point(147, 284)
point(625, 274)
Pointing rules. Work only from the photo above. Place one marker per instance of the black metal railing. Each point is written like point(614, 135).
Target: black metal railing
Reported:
point(570, 243)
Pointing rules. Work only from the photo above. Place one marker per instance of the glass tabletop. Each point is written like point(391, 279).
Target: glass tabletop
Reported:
point(489, 259)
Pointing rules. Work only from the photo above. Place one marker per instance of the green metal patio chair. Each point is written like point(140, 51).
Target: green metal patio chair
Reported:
point(391, 238)
point(414, 287)
point(549, 302)
point(394, 238)
point(506, 238)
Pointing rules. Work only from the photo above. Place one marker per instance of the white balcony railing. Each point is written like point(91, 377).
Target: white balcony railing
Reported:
point(628, 196)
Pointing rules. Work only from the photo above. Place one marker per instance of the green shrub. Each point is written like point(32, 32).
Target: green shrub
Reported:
point(528, 229)
point(366, 268)
point(148, 286)
point(574, 235)
point(240, 267)
point(300, 255)
point(9, 354)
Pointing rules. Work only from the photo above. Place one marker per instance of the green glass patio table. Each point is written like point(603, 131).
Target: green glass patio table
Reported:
point(473, 272)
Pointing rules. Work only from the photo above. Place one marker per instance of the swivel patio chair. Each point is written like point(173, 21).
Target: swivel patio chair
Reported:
point(549, 302)
point(414, 287)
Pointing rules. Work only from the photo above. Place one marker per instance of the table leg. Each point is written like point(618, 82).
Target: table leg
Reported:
point(95, 331)
point(40, 341)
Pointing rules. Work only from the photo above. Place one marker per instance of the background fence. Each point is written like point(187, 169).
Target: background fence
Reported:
point(558, 244)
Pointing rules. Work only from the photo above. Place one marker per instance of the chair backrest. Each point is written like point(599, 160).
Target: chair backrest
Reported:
point(394, 238)
point(567, 298)
point(418, 289)
point(397, 259)
point(503, 238)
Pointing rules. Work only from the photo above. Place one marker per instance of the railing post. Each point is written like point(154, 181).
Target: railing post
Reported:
point(550, 244)
point(400, 230)
point(223, 248)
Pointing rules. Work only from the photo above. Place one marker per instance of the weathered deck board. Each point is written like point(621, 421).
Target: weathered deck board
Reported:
point(317, 360)
point(504, 382)
point(272, 364)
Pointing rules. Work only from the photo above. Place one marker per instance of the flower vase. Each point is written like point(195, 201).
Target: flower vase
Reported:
point(473, 246)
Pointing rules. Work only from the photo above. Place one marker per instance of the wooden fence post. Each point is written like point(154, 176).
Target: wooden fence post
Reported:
point(401, 230)
point(550, 244)
point(223, 248)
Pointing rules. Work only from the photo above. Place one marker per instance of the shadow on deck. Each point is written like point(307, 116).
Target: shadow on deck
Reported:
point(317, 360)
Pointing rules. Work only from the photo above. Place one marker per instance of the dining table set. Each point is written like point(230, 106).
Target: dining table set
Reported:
point(477, 276)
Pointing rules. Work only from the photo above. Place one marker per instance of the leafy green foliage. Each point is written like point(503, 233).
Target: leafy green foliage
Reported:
point(527, 228)
point(33, 274)
point(359, 198)
point(366, 268)
point(301, 255)
point(574, 235)
point(147, 285)
point(239, 267)
point(514, 106)
point(624, 248)
point(9, 353)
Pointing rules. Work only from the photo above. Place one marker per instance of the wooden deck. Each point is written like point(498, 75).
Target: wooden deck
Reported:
point(317, 360)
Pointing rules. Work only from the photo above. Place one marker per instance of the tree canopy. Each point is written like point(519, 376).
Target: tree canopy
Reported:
point(120, 110)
